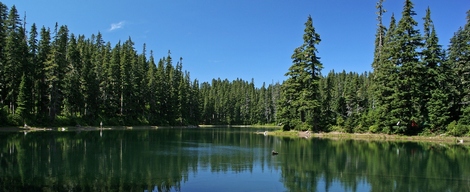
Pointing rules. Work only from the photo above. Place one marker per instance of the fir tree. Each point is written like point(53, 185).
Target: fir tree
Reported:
point(3, 35)
point(459, 59)
point(407, 94)
point(21, 111)
point(300, 105)
point(433, 86)
point(73, 97)
point(44, 49)
point(378, 61)
point(55, 66)
point(385, 76)
point(34, 65)
point(13, 58)
point(114, 84)
point(152, 88)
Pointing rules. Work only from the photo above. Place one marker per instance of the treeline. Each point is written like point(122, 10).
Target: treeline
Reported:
point(56, 78)
point(416, 87)
point(238, 102)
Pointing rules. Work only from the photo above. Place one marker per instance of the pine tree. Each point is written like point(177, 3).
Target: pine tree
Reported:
point(34, 65)
point(100, 60)
point(169, 95)
point(327, 88)
point(300, 106)
point(433, 78)
point(13, 57)
point(127, 53)
point(89, 82)
point(184, 93)
point(385, 80)
point(25, 98)
point(73, 97)
point(459, 59)
point(195, 103)
point(379, 36)
point(152, 89)
point(44, 49)
point(162, 93)
point(177, 93)
point(22, 111)
point(105, 84)
point(3, 35)
point(378, 61)
point(55, 66)
point(262, 108)
point(407, 94)
point(140, 82)
point(114, 83)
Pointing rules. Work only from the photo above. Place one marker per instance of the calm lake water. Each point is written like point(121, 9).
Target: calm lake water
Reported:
point(223, 159)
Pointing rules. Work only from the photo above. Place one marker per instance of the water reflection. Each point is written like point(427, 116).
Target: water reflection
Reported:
point(223, 159)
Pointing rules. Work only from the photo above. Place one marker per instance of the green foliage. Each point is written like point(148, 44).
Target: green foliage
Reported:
point(62, 121)
point(62, 79)
point(374, 128)
point(465, 119)
point(300, 102)
point(340, 121)
point(336, 128)
point(3, 115)
point(359, 128)
point(456, 129)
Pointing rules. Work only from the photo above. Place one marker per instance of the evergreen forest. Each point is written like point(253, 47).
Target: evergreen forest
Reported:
point(50, 76)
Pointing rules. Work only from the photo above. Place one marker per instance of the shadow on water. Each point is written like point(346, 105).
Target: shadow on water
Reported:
point(227, 159)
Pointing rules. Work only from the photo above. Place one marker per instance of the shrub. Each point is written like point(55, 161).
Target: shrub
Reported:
point(336, 128)
point(340, 121)
point(374, 128)
point(425, 132)
point(456, 129)
point(360, 128)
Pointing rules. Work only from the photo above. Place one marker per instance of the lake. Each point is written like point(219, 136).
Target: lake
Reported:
point(223, 159)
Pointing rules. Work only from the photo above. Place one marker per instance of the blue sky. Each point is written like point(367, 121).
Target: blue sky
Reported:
point(240, 39)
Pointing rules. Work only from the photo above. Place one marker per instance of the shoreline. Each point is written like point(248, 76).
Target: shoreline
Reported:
point(373, 137)
point(465, 140)
point(72, 128)
point(91, 128)
point(241, 126)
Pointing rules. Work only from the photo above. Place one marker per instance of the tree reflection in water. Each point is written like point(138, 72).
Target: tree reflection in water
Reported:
point(171, 159)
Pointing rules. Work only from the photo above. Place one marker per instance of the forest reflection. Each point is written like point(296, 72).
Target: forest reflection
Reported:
point(166, 159)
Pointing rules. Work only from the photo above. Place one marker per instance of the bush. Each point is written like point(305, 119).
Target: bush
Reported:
point(399, 129)
point(359, 128)
point(336, 128)
point(387, 130)
point(465, 118)
point(456, 129)
point(374, 128)
point(303, 126)
point(426, 132)
point(340, 121)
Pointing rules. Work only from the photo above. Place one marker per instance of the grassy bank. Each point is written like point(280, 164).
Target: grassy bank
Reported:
point(373, 137)
point(242, 126)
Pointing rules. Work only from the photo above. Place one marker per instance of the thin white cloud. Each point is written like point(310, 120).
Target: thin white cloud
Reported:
point(115, 26)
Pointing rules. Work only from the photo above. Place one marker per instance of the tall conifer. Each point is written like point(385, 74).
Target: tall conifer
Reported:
point(407, 96)
point(300, 105)
point(434, 89)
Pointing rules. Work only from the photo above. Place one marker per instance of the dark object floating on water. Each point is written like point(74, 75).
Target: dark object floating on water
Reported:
point(274, 152)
